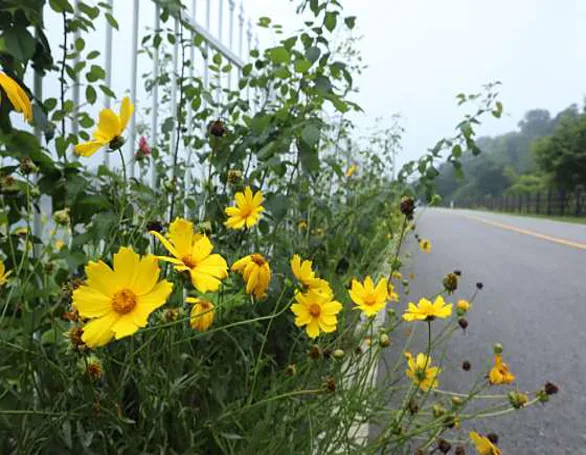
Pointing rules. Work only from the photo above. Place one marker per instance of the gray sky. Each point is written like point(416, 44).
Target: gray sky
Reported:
point(421, 53)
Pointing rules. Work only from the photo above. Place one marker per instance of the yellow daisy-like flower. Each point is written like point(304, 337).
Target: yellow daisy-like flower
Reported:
point(500, 374)
point(302, 270)
point(317, 311)
point(463, 305)
point(202, 313)
point(421, 372)
point(247, 211)
point(483, 445)
point(322, 286)
point(256, 272)
point(425, 245)
point(119, 301)
point(4, 274)
point(192, 252)
point(370, 299)
point(109, 130)
point(351, 170)
point(427, 311)
point(393, 296)
point(302, 225)
point(17, 96)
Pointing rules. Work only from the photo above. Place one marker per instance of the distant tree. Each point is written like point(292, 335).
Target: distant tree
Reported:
point(562, 155)
point(536, 122)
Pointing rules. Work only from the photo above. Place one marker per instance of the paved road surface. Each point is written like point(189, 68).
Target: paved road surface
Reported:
point(533, 302)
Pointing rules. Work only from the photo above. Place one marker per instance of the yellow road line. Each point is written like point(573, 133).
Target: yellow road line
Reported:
point(580, 246)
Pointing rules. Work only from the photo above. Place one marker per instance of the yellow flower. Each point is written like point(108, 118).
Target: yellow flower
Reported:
point(17, 96)
point(321, 286)
point(109, 130)
point(427, 311)
point(192, 253)
point(255, 270)
point(425, 245)
point(351, 170)
point(302, 270)
point(21, 231)
point(393, 296)
point(202, 313)
point(367, 297)
point(247, 211)
point(4, 274)
point(317, 311)
point(119, 300)
point(463, 305)
point(302, 225)
point(483, 444)
point(500, 373)
point(397, 275)
point(59, 244)
point(421, 372)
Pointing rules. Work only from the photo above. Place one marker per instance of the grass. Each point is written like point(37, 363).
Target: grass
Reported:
point(565, 219)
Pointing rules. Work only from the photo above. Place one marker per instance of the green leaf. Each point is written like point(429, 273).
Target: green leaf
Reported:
point(60, 6)
point(350, 22)
point(310, 134)
point(331, 20)
point(457, 151)
point(90, 94)
point(19, 43)
point(112, 21)
point(302, 66)
point(279, 55)
point(92, 55)
point(107, 91)
point(168, 124)
point(96, 72)
point(217, 59)
point(498, 111)
point(79, 44)
point(278, 205)
point(312, 54)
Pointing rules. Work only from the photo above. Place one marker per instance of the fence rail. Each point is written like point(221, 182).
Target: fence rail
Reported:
point(551, 202)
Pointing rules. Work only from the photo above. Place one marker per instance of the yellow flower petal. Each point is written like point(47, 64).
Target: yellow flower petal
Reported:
point(109, 125)
point(88, 148)
point(98, 332)
point(126, 111)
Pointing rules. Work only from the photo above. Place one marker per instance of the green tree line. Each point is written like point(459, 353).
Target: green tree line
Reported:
point(545, 152)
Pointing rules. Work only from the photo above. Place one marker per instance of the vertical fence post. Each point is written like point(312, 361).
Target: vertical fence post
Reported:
point(174, 79)
point(155, 101)
point(108, 68)
point(548, 202)
point(562, 195)
point(75, 88)
point(232, 6)
point(249, 40)
point(578, 202)
point(37, 222)
point(220, 37)
point(133, 79)
point(537, 202)
point(241, 30)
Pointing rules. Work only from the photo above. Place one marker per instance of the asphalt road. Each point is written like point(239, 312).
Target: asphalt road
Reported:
point(533, 302)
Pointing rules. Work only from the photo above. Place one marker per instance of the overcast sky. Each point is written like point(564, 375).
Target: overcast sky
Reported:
point(421, 53)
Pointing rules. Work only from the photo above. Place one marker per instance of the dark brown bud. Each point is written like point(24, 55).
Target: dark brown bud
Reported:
point(466, 365)
point(413, 406)
point(327, 353)
point(291, 370)
point(551, 388)
point(443, 446)
point(479, 285)
point(217, 128)
point(493, 437)
point(458, 272)
point(408, 207)
point(358, 350)
point(460, 450)
point(154, 225)
point(315, 352)
point(450, 282)
point(27, 166)
point(331, 384)
point(462, 322)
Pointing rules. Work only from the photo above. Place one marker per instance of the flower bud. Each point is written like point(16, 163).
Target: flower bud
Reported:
point(234, 176)
point(517, 399)
point(408, 207)
point(497, 348)
point(438, 410)
point(462, 306)
point(457, 401)
point(479, 285)
point(413, 407)
point(384, 340)
point(460, 450)
point(466, 365)
point(291, 370)
point(443, 446)
point(315, 352)
point(156, 226)
point(338, 354)
point(493, 437)
point(61, 217)
point(27, 166)
point(217, 128)
point(463, 322)
point(551, 388)
point(331, 384)
point(450, 282)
